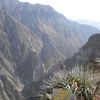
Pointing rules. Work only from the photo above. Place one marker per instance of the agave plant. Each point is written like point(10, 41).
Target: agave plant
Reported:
point(83, 83)
point(79, 81)
point(57, 79)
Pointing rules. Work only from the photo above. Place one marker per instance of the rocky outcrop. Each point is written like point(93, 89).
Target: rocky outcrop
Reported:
point(88, 54)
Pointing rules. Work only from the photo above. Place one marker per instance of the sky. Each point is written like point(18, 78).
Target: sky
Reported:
point(74, 9)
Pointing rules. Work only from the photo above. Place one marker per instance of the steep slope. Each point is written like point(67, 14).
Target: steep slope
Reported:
point(88, 54)
point(9, 85)
point(47, 23)
point(61, 37)
point(18, 56)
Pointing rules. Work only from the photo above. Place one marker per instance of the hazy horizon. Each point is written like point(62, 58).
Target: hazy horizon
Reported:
point(74, 9)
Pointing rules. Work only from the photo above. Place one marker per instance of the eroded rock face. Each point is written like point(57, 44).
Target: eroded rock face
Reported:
point(16, 51)
point(7, 90)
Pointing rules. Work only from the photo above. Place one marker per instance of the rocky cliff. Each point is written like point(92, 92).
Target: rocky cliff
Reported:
point(88, 57)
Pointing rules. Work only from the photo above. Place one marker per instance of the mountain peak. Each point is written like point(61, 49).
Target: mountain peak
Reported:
point(95, 38)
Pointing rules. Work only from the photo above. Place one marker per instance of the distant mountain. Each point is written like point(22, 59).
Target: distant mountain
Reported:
point(92, 23)
point(55, 31)
point(33, 38)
